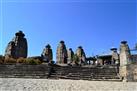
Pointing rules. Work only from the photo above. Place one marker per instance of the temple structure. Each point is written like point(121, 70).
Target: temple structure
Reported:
point(70, 56)
point(115, 56)
point(125, 54)
point(17, 47)
point(61, 55)
point(81, 55)
point(47, 54)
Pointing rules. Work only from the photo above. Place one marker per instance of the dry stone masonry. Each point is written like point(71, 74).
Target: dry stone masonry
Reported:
point(81, 55)
point(17, 47)
point(124, 53)
point(61, 53)
point(47, 54)
point(70, 56)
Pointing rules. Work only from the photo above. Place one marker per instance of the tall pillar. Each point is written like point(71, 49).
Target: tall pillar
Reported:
point(47, 54)
point(70, 55)
point(61, 55)
point(124, 60)
point(124, 53)
point(81, 55)
point(18, 46)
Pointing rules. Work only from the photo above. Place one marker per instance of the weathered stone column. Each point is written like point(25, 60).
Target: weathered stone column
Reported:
point(47, 54)
point(61, 55)
point(81, 55)
point(124, 59)
point(18, 46)
point(70, 56)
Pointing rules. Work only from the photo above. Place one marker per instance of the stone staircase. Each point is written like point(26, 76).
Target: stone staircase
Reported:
point(106, 73)
point(98, 73)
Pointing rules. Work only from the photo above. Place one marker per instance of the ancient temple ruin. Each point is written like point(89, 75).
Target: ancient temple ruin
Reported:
point(47, 54)
point(115, 56)
point(70, 56)
point(17, 47)
point(61, 55)
point(125, 54)
point(80, 54)
point(70, 65)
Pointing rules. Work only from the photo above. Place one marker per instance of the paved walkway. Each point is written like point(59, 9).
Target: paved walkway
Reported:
point(19, 84)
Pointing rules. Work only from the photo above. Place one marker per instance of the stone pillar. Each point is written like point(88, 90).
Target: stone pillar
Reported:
point(47, 54)
point(81, 55)
point(124, 59)
point(115, 56)
point(124, 53)
point(61, 55)
point(20, 46)
point(70, 56)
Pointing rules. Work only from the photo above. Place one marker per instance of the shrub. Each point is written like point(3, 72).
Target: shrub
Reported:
point(9, 60)
point(1, 59)
point(32, 61)
point(21, 60)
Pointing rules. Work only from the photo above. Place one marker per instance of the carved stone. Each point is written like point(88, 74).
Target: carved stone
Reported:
point(81, 55)
point(115, 56)
point(47, 54)
point(17, 47)
point(125, 57)
point(61, 54)
point(70, 55)
point(124, 53)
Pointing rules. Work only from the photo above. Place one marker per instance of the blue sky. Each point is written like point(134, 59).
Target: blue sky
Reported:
point(97, 25)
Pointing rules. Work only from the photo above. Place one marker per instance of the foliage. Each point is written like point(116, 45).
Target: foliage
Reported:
point(9, 60)
point(32, 61)
point(21, 60)
point(2, 59)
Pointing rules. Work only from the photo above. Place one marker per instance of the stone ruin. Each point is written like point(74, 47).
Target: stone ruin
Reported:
point(115, 56)
point(17, 47)
point(124, 53)
point(81, 56)
point(61, 55)
point(86, 67)
point(47, 54)
point(70, 56)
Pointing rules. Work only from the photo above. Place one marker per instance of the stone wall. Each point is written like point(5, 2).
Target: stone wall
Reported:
point(129, 72)
point(132, 72)
point(23, 71)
